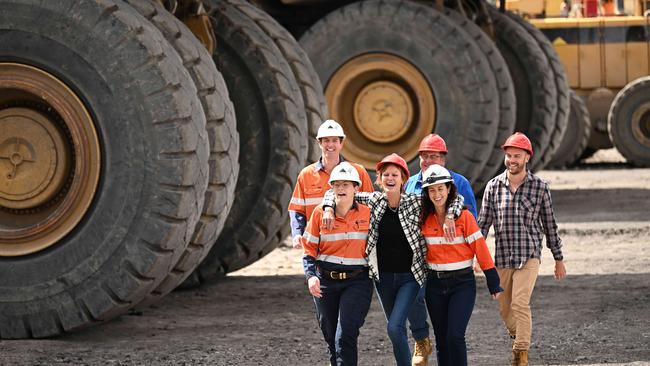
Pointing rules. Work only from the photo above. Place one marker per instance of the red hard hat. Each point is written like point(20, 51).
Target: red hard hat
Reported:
point(519, 140)
point(433, 142)
point(397, 160)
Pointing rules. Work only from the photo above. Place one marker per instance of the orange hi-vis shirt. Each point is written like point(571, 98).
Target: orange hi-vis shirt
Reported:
point(313, 183)
point(469, 242)
point(344, 243)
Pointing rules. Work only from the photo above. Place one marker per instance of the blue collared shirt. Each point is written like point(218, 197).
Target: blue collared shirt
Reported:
point(414, 185)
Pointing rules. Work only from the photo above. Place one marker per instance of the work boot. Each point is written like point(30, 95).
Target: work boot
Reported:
point(523, 358)
point(515, 358)
point(422, 351)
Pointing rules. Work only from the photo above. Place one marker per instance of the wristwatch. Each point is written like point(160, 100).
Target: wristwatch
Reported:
point(450, 216)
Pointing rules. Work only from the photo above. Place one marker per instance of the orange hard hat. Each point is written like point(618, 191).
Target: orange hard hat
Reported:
point(397, 160)
point(433, 142)
point(518, 140)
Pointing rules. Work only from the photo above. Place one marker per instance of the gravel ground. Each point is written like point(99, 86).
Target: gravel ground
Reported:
point(263, 314)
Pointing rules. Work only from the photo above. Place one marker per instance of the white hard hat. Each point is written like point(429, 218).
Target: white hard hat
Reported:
point(435, 174)
point(345, 171)
point(330, 128)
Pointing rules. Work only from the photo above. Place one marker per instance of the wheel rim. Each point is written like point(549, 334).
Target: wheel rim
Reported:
point(49, 159)
point(641, 124)
point(385, 105)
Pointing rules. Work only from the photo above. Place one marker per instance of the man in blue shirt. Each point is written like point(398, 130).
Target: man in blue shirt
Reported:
point(433, 150)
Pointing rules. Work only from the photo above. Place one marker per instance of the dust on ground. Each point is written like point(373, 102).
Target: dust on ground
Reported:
point(263, 314)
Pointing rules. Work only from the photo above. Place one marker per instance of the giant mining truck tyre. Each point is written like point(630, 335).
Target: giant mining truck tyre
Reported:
point(575, 138)
point(629, 122)
point(506, 90)
point(531, 73)
point(562, 88)
point(108, 154)
point(222, 134)
point(311, 90)
point(303, 70)
point(395, 71)
point(273, 133)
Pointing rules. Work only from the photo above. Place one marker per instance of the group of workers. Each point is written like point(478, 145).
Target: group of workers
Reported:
point(415, 241)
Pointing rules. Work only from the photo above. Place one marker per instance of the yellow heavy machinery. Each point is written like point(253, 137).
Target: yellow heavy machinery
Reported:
point(147, 144)
point(605, 51)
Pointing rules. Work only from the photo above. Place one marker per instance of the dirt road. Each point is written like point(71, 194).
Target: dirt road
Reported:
point(263, 314)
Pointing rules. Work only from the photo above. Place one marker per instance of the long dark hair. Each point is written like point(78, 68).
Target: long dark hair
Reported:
point(427, 206)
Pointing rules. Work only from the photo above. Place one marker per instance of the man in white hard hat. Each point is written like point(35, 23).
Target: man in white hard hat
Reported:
point(313, 179)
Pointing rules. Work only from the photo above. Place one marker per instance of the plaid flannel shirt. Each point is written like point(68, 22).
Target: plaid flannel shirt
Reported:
point(520, 220)
point(409, 209)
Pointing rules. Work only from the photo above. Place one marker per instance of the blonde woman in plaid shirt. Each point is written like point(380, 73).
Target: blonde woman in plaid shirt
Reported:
point(396, 248)
point(518, 204)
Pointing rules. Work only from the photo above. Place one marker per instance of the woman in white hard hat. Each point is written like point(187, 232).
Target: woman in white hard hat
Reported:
point(337, 269)
point(451, 286)
point(396, 250)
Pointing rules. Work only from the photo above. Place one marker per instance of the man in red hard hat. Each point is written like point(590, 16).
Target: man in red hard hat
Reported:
point(518, 204)
point(433, 150)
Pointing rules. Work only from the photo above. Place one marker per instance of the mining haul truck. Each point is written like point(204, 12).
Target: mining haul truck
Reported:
point(146, 145)
point(604, 47)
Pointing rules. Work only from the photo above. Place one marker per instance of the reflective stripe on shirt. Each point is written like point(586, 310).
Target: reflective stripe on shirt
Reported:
point(342, 260)
point(450, 266)
point(344, 236)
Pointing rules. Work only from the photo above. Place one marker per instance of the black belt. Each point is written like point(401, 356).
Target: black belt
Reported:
point(341, 275)
point(451, 274)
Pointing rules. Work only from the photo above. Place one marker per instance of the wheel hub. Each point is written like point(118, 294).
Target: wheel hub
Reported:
point(49, 159)
point(385, 105)
point(33, 159)
point(383, 111)
point(641, 124)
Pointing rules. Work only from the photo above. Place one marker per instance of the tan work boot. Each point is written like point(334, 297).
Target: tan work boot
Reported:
point(523, 358)
point(423, 349)
point(515, 358)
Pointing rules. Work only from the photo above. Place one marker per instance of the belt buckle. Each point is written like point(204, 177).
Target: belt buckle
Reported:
point(335, 275)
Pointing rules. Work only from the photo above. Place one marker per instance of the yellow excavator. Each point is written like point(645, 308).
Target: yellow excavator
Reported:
point(604, 47)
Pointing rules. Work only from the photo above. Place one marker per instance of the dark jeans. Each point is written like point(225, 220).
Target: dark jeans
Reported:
point(341, 312)
point(450, 303)
point(418, 317)
point(397, 293)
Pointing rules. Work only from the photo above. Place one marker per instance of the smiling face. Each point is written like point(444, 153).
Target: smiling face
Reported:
point(428, 158)
point(438, 194)
point(391, 179)
point(331, 147)
point(516, 160)
point(344, 191)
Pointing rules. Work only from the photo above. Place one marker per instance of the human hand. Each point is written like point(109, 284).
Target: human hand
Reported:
point(313, 283)
point(327, 221)
point(496, 296)
point(477, 268)
point(449, 228)
point(560, 270)
point(296, 242)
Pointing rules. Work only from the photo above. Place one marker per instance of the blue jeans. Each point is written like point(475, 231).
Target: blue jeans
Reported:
point(341, 312)
point(418, 317)
point(397, 293)
point(450, 302)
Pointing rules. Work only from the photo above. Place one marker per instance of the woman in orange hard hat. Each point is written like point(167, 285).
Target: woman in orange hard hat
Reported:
point(396, 250)
point(337, 269)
